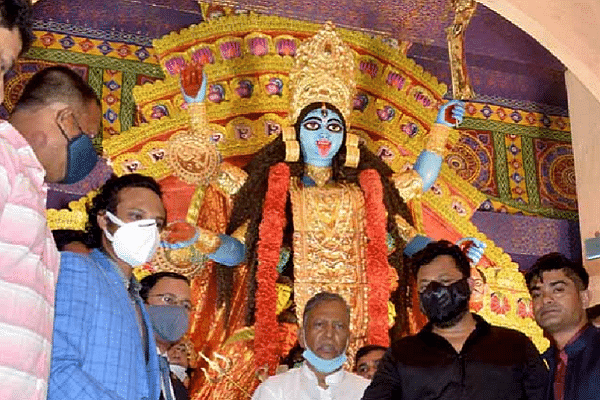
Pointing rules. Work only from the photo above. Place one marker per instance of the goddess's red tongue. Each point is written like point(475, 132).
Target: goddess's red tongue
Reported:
point(324, 147)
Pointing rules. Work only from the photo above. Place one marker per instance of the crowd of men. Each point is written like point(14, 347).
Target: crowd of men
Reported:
point(79, 325)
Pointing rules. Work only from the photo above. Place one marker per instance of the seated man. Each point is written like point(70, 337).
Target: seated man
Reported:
point(168, 299)
point(559, 296)
point(367, 360)
point(457, 355)
point(324, 336)
point(103, 343)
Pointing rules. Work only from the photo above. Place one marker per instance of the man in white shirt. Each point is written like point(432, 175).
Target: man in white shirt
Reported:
point(324, 336)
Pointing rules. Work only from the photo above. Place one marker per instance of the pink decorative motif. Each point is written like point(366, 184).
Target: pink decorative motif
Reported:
point(274, 86)
point(216, 93)
point(395, 80)
point(47, 39)
point(470, 109)
point(230, 50)
point(501, 113)
point(86, 45)
point(286, 47)
point(123, 51)
point(203, 56)
point(422, 98)
point(175, 65)
point(244, 89)
point(386, 113)
point(369, 67)
point(258, 46)
point(159, 111)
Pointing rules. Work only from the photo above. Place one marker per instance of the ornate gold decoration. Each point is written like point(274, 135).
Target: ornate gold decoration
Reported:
point(230, 178)
point(74, 218)
point(438, 136)
point(323, 71)
point(292, 151)
point(284, 294)
point(329, 249)
point(292, 147)
point(407, 231)
point(222, 366)
point(320, 175)
point(194, 161)
point(409, 184)
point(455, 34)
point(352, 150)
point(240, 233)
point(289, 134)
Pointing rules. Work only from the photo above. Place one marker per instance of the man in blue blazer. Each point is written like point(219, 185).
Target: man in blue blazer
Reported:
point(103, 342)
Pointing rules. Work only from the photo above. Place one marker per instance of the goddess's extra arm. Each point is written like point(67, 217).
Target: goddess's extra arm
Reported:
point(221, 248)
point(413, 183)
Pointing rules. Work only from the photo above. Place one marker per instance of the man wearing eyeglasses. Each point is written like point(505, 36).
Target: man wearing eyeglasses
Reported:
point(168, 300)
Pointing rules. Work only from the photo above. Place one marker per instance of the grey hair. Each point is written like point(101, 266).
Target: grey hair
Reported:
point(320, 298)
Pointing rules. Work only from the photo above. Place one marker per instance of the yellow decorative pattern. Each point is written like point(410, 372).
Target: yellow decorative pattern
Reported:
point(73, 218)
point(111, 94)
point(505, 114)
point(516, 170)
point(80, 44)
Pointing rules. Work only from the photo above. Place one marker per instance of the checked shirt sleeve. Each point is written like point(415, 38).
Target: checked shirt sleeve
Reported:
point(75, 306)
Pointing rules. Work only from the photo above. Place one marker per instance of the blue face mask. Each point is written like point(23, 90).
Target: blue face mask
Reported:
point(322, 365)
point(321, 136)
point(81, 157)
point(170, 323)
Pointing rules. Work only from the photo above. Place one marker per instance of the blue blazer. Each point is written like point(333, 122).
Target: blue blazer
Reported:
point(97, 351)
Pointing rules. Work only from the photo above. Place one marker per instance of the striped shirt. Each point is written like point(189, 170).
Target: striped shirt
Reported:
point(29, 265)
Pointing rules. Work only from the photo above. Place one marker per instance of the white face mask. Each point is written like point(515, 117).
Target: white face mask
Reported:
point(134, 242)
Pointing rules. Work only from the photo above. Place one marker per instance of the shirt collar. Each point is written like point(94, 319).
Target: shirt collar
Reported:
point(332, 379)
point(132, 285)
point(579, 341)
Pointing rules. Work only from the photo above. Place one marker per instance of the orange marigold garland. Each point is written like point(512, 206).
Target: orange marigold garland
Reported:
point(377, 262)
point(269, 245)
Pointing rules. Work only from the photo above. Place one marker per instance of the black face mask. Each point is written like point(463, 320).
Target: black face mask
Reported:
point(444, 305)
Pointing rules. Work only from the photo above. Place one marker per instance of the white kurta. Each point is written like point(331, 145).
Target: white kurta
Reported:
point(301, 384)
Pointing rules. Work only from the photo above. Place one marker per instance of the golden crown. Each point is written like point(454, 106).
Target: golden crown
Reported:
point(323, 71)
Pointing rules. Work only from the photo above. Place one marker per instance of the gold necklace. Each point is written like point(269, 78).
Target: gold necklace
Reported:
point(320, 175)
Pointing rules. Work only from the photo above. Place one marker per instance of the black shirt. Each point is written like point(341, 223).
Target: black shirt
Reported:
point(494, 363)
point(582, 379)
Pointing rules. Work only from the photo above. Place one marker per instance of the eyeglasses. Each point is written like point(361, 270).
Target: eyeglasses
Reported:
point(171, 300)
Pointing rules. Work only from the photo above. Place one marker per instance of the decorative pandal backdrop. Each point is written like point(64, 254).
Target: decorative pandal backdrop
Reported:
point(508, 155)
point(247, 59)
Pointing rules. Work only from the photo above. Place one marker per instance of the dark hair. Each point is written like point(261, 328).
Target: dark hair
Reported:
point(441, 248)
point(363, 351)
point(556, 261)
point(108, 198)
point(248, 207)
point(151, 280)
point(319, 298)
point(18, 14)
point(56, 84)
point(63, 237)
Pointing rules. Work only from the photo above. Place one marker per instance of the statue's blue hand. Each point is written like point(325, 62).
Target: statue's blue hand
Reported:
point(475, 249)
point(451, 114)
point(193, 85)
